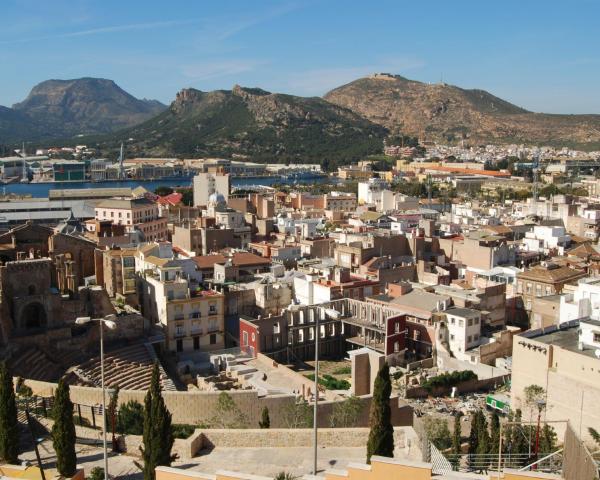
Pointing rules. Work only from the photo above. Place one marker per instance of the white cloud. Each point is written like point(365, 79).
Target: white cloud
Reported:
point(102, 30)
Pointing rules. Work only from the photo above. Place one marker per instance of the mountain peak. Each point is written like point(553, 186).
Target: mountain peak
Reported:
point(84, 105)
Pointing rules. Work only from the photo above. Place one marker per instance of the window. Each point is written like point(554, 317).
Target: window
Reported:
point(476, 321)
point(213, 339)
point(180, 345)
point(470, 322)
point(528, 288)
point(396, 347)
point(452, 321)
point(397, 327)
point(596, 337)
point(469, 339)
point(461, 323)
point(452, 337)
point(197, 342)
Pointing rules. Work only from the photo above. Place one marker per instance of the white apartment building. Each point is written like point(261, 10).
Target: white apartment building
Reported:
point(464, 329)
point(583, 302)
point(544, 239)
point(205, 184)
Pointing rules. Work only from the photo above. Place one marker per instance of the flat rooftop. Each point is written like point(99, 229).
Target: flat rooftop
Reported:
point(566, 337)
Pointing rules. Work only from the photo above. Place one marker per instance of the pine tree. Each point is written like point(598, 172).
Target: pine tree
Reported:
point(9, 425)
point(63, 431)
point(265, 421)
point(158, 436)
point(381, 436)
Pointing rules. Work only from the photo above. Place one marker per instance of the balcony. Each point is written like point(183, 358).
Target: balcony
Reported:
point(196, 331)
point(213, 329)
point(195, 315)
point(179, 316)
point(179, 333)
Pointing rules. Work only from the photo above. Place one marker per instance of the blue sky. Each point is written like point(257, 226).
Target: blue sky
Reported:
point(542, 55)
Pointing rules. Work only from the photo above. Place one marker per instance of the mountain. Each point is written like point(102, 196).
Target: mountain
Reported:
point(447, 112)
point(253, 123)
point(63, 108)
point(15, 125)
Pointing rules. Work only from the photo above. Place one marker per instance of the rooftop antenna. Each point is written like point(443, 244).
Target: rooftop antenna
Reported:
point(121, 157)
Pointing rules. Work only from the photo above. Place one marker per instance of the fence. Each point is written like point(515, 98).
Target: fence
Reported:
point(579, 463)
point(41, 407)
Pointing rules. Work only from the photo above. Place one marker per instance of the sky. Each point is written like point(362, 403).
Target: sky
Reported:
point(540, 55)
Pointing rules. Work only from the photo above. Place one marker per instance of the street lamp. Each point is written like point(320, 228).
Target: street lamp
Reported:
point(109, 322)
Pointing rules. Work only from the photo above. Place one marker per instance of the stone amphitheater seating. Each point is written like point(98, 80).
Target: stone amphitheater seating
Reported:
point(34, 364)
point(129, 368)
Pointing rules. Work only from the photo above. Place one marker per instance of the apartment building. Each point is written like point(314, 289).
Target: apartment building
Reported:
point(464, 330)
point(206, 184)
point(192, 318)
point(564, 360)
point(547, 240)
point(135, 214)
point(543, 280)
point(119, 271)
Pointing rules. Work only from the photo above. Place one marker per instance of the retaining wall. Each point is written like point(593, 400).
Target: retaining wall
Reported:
point(197, 408)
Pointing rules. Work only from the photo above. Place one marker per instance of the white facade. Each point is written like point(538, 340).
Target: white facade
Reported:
point(464, 329)
point(589, 335)
point(583, 302)
point(205, 184)
point(545, 238)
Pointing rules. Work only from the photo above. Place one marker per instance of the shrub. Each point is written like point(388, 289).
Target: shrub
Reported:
point(182, 430)
point(130, 419)
point(448, 380)
point(343, 371)
point(97, 473)
point(330, 383)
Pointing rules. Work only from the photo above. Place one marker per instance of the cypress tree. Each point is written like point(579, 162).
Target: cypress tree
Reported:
point(475, 429)
point(158, 436)
point(495, 433)
point(484, 443)
point(265, 421)
point(63, 431)
point(381, 436)
point(9, 425)
point(456, 442)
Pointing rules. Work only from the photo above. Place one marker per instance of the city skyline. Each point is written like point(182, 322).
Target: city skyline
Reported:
point(542, 59)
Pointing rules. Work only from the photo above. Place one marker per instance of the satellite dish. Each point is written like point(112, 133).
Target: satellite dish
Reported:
point(597, 353)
